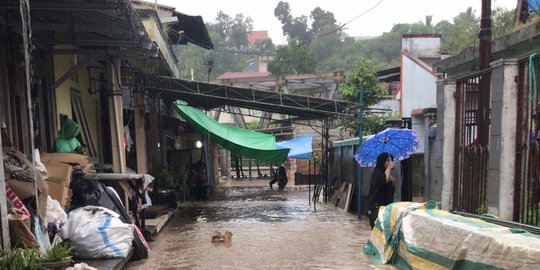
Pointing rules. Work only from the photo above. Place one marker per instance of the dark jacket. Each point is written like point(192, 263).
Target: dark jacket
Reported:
point(381, 193)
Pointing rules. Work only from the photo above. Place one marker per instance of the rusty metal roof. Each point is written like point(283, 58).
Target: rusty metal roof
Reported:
point(83, 23)
point(210, 96)
point(88, 27)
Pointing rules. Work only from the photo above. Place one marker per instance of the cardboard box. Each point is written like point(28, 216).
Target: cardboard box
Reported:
point(23, 189)
point(59, 173)
point(69, 158)
point(59, 192)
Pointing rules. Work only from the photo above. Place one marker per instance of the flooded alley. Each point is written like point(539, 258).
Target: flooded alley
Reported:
point(271, 230)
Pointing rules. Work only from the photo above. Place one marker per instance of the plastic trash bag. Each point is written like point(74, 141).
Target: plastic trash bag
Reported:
point(55, 213)
point(97, 232)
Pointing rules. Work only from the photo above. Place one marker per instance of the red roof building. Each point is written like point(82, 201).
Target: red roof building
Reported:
point(255, 36)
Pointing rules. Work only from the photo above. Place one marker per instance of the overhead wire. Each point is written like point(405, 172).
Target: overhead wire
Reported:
point(343, 25)
point(300, 44)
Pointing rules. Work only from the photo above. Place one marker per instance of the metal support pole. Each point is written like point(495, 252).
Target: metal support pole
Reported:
point(309, 181)
point(209, 161)
point(360, 140)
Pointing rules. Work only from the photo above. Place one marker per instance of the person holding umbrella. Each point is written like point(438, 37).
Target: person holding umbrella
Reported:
point(381, 191)
point(382, 150)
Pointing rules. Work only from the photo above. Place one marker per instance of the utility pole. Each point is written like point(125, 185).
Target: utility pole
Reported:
point(485, 59)
point(485, 35)
point(360, 140)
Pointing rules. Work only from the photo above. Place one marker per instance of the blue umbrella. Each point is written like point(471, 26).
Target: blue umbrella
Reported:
point(400, 143)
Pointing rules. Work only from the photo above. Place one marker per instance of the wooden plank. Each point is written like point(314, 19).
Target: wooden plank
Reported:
point(83, 63)
point(155, 225)
point(116, 118)
point(140, 135)
point(80, 113)
point(348, 197)
point(338, 194)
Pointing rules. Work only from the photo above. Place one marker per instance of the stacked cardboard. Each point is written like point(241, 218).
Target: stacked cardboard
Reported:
point(59, 181)
point(81, 164)
point(61, 167)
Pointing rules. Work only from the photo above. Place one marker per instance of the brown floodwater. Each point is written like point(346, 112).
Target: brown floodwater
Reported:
point(271, 230)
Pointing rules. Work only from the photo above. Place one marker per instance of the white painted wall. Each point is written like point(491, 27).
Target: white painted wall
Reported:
point(419, 128)
point(418, 86)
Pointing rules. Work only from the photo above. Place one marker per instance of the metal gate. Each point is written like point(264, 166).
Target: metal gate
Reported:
point(527, 167)
point(472, 137)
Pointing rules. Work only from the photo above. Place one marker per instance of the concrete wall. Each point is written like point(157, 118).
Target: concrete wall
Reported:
point(157, 35)
point(446, 114)
point(418, 126)
point(422, 46)
point(500, 185)
point(388, 104)
point(418, 86)
point(500, 182)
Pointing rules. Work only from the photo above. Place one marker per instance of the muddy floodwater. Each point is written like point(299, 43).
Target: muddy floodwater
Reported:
point(271, 230)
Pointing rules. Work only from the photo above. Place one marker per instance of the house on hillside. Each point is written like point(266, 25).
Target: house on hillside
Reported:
point(255, 36)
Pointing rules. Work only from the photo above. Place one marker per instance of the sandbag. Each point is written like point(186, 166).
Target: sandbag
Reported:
point(97, 232)
point(19, 230)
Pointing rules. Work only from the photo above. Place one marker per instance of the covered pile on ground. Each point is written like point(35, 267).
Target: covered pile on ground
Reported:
point(419, 236)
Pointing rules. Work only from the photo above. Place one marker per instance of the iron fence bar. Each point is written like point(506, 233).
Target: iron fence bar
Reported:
point(457, 141)
point(519, 142)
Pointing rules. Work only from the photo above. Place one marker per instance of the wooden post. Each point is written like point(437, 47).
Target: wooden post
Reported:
point(4, 226)
point(116, 117)
point(140, 135)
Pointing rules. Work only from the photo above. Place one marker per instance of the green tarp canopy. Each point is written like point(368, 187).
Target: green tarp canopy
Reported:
point(246, 143)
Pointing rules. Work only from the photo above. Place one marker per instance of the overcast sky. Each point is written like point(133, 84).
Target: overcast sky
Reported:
point(382, 16)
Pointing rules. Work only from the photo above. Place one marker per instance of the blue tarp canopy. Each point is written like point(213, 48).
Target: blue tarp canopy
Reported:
point(534, 6)
point(300, 147)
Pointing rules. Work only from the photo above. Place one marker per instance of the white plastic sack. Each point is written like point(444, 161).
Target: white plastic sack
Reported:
point(55, 213)
point(39, 165)
point(97, 232)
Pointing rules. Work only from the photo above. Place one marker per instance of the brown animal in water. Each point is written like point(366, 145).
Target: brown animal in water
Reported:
point(222, 238)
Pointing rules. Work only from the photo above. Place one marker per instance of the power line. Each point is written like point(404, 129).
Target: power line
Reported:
point(343, 25)
point(300, 44)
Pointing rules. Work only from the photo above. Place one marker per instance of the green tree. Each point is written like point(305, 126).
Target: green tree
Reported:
point(362, 75)
point(464, 33)
point(292, 58)
point(299, 27)
point(229, 36)
point(320, 20)
point(503, 22)
point(326, 45)
point(264, 46)
point(239, 28)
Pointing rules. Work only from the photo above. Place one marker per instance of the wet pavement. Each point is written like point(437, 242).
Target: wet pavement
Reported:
point(271, 230)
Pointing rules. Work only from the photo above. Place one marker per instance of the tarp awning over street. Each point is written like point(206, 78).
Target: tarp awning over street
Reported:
point(243, 142)
point(300, 147)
